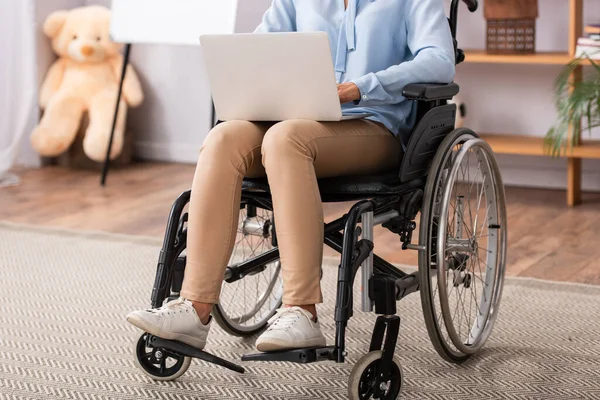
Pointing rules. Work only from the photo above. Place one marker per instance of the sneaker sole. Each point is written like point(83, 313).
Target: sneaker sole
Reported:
point(151, 329)
point(279, 345)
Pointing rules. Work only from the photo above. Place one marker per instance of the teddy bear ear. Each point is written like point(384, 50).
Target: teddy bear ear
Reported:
point(55, 22)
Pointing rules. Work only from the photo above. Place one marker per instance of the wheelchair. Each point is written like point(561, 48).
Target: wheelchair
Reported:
point(448, 175)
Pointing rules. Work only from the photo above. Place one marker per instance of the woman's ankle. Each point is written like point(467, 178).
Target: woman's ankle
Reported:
point(203, 310)
point(311, 308)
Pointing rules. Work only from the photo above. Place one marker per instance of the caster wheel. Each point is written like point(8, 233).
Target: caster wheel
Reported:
point(362, 382)
point(159, 364)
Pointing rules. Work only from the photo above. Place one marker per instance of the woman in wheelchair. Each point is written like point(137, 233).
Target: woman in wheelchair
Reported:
point(378, 47)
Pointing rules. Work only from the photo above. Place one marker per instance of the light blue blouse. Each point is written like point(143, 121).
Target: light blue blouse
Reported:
point(380, 45)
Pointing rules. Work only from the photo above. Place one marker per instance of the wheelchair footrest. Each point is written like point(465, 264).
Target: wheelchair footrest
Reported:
point(189, 351)
point(301, 356)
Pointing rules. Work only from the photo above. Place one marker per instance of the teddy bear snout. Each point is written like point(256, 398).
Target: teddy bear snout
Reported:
point(87, 50)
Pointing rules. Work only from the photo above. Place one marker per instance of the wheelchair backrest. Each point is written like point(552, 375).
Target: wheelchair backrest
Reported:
point(429, 132)
point(435, 118)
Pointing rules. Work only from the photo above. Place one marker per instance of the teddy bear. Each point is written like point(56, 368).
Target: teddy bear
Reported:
point(84, 79)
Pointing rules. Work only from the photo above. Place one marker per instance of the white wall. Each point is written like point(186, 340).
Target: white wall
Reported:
point(518, 99)
point(44, 58)
point(45, 54)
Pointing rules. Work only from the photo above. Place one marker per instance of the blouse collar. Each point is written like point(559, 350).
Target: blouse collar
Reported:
point(347, 39)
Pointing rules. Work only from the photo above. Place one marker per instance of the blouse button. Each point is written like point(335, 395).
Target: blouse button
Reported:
point(365, 97)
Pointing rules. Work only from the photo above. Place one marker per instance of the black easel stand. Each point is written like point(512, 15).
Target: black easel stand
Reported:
point(119, 95)
point(114, 124)
point(213, 115)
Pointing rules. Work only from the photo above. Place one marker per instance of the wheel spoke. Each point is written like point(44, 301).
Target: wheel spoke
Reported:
point(469, 179)
point(485, 249)
point(244, 313)
point(470, 309)
point(485, 220)
point(460, 298)
point(465, 225)
point(484, 284)
point(478, 204)
point(474, 283)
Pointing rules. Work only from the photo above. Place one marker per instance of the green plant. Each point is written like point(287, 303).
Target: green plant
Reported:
point(578, 106)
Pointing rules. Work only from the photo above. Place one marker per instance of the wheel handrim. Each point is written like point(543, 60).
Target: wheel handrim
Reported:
point(428, 260)
point(247, 304)
point(470, 287)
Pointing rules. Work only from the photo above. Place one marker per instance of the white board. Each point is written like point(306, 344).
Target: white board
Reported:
point(179, 22)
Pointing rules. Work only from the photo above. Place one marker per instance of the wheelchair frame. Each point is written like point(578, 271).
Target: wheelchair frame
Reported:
point(382, 283)
point(394, 206)
point(390, 284)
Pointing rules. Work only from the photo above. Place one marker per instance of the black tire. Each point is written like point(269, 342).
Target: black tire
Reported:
point(360, 382)
point(146, 361)
point(231, 329)
point(427, 236)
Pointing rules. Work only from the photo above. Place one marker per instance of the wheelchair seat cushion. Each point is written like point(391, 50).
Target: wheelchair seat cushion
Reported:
point(350, 187)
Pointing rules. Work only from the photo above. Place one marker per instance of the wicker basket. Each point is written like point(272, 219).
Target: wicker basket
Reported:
point(510, 36)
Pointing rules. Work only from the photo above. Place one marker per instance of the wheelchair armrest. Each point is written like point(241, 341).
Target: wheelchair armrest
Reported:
point(430, 91)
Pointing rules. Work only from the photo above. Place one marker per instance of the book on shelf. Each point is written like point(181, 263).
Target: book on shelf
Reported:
point(586, 41)
point(592, 52)
point(592, 29)
point(589, 46)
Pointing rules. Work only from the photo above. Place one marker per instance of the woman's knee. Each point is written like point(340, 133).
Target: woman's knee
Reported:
point(287, 139)
point(232, 138)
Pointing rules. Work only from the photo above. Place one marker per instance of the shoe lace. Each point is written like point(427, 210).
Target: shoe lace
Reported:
point(175, 306)
point(286, 317)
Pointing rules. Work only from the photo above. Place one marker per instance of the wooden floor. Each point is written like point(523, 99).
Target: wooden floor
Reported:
point(546, 239)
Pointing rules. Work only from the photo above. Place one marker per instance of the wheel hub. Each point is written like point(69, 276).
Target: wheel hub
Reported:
point(384, 386)
point(468, 245)
point(252, 226)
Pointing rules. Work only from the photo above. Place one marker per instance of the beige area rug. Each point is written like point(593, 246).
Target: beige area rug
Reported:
point(63, 335)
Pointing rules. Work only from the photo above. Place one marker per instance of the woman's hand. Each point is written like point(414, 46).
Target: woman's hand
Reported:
point(348, 92)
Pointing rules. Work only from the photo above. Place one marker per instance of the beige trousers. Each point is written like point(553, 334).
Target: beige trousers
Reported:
point(292, 154)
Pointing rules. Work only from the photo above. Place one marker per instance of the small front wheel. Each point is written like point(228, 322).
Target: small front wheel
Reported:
point(363, 383)
point(159, 364)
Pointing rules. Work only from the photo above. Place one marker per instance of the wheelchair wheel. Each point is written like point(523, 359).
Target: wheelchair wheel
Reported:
point(159, 364)
point(463, 227)
point(246, 305)
point(362, 383)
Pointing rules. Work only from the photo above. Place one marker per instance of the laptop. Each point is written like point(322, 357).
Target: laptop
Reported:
point(272, 77)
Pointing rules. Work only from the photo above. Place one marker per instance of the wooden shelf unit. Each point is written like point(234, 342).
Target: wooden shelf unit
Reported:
point(547, 58)
point(534, 146)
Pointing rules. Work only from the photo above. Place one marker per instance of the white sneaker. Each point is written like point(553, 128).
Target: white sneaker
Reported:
point(291, 328)
point(176, 320)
